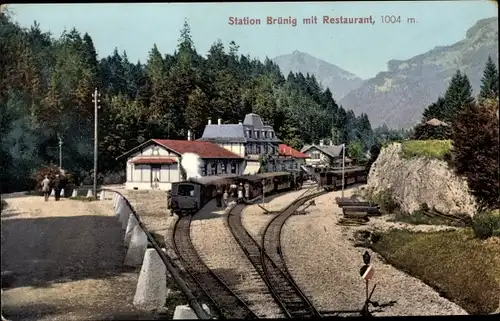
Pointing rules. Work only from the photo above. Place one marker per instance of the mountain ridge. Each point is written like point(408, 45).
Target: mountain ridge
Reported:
point(398, 96)
point(338, 80)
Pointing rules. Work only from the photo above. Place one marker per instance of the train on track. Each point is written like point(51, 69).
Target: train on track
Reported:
point(331, 180)
point(191, 195)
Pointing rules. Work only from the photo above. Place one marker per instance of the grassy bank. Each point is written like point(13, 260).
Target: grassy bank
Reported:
point(462, 268)
point(438, 149)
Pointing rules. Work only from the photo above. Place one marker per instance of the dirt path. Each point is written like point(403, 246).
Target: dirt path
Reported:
point(66, 262)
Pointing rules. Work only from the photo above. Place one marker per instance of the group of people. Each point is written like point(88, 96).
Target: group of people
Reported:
point(224, 193)
point(48, 185)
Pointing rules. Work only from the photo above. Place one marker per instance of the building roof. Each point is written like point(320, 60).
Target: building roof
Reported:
point(288, 151)
point(203, 149)
point(332, 151)
point(235, 133)
point(153, 160)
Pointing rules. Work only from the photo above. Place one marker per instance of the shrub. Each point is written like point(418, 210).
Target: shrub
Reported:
point(51, 171)
point(475, 150)
point(486, 224)
point(384, 199)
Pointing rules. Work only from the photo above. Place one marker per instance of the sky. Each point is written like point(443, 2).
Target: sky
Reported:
point(363, 49)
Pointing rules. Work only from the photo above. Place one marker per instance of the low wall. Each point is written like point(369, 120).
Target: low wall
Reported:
point(156, 266)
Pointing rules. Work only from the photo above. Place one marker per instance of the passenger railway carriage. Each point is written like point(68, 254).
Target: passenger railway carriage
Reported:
point(190, 196)
point(332, 179)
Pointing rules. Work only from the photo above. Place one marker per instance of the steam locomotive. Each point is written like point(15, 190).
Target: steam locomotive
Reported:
point(191, 195)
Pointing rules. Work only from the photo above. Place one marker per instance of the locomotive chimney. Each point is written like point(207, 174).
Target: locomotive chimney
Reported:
point(219, 121)
point(209, 121)
point(321, 142)
point(189, 135)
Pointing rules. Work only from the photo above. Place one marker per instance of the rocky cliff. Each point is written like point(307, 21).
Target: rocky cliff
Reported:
point(416, 181)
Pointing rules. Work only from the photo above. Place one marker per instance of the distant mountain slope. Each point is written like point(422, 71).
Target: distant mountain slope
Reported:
point(337, 79)
point(397, 97)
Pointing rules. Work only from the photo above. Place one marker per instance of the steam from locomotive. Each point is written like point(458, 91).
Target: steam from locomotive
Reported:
point(191, 163)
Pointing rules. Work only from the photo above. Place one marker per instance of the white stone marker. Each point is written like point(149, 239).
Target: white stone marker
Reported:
point(131, 224)
point(125, 216)
point(89, 193)
point(151, 288)
point(184, 312)
point(115, 200)
point(74, 194)
point(53, 192)
point(120, 204)
point(136, 248)
point(101, 196)
point(62, 192)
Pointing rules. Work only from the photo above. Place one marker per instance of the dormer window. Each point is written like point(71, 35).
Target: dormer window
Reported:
point(257, 134)
point(264, 134)
point(249, 133)
point(270, 134)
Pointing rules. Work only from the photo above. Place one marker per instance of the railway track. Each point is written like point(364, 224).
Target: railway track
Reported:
point(228, 304)
point(287, 294)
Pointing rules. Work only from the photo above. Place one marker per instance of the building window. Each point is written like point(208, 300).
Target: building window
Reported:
point(233, 167)
point(264, 134)
point(224, 168)
point(257, 134)
point(271, 134)
point(296, 165)
point(315, 155)
point(258, 149)
point(249, 133)
point(204, 169)
point(214, 168)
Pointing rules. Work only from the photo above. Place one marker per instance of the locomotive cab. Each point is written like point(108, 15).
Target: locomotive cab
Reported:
point(184, 196)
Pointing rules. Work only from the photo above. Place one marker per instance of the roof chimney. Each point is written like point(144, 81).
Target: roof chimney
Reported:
point(219, 121)
point(321, 142)
point(189, 135)
point(209, 121)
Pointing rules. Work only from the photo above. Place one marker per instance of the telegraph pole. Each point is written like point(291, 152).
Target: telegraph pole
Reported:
point(96, 102)
point(343, 168)
point(60, 151)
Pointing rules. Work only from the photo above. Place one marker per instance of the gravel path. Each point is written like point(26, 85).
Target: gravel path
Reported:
point(325, 264)
point(66, 259)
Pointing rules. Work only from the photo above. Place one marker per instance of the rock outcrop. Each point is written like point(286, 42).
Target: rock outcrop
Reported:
point(416, 181)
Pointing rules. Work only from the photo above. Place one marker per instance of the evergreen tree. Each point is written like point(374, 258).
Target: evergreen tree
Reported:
point(458, 94)
point(489, 81)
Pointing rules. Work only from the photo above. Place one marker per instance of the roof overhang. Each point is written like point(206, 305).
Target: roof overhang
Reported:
point(140, 160)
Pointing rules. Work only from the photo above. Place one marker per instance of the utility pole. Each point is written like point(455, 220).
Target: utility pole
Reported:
point(60, 151)
point(343, 169)
point(96, 102)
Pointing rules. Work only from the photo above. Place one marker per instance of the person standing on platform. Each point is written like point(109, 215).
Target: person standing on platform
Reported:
point(247, 191)
point(225, 197)
point(240, 193)
point(57, 188)
point(46, 187)
point(218, 196)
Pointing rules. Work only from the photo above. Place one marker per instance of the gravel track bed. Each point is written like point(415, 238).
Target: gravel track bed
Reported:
point(222, 254)
point(253, 218)
point(325, 264)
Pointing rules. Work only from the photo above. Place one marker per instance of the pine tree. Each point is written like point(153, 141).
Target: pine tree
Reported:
point(489, 81)
point(458, 94)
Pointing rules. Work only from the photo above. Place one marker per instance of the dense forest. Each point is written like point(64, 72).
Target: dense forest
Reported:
point(46, 96)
